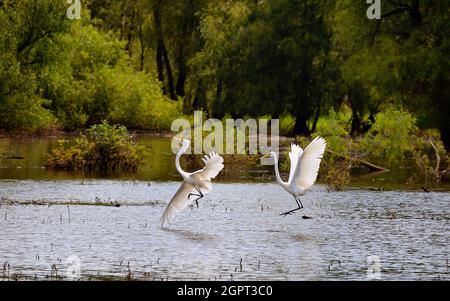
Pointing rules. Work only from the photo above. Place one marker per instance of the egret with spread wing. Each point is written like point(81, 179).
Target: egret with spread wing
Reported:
point(304, 168)
point(195, 185)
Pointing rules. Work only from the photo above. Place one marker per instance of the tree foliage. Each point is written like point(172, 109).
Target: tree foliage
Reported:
point(144, 62)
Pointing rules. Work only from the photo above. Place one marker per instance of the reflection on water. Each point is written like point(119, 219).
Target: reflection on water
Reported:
point(188, 235)
point(159, 166)
point(158, 160)
point(409, 231)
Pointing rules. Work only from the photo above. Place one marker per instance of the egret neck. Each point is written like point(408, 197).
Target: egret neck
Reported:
point(177, 161)
point(277, 172)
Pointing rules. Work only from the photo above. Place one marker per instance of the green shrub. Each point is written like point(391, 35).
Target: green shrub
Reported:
point(336, 172)
point(287, 122)
point(335, 166)
point(389, 138)
point(107, 148)
point(430, 157)
point(333, 129)
point(22, 112)
point(93, 80)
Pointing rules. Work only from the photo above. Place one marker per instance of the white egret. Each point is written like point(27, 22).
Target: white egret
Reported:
point(195, 184)
point(304, 168)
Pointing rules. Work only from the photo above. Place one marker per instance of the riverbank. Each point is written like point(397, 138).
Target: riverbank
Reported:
point(51, 133)
point(23, 160)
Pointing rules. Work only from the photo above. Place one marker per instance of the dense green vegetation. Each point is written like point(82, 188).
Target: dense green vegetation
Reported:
point(107, 148)
point(68, 74)
point(393, 142)
point(142, 63)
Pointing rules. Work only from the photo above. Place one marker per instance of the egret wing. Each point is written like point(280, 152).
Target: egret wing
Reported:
point(213, 165)
point(294, 155)
point(178, 202)
point(308, 167)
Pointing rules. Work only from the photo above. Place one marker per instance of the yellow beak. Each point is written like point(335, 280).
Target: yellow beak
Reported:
point(266, 156)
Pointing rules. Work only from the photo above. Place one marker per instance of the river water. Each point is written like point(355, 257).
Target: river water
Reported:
point(408, 231)
point(51, 222)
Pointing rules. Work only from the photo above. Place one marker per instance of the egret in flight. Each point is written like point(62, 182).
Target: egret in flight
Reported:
point(195, 185)
point(304, 168)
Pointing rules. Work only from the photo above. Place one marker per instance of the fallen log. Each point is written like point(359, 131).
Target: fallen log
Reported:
point(372, 167)
point(12, 157)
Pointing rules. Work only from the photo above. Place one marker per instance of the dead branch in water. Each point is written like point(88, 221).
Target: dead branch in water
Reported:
point(438, 161)
point(372, 167)
point(12, 157)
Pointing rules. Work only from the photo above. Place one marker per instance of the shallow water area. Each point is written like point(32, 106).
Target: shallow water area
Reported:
point(236, 234)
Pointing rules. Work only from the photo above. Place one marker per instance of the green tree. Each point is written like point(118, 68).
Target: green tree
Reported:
point(94, 81)
point(28, 42)
point(403, 58)
point(267, 58)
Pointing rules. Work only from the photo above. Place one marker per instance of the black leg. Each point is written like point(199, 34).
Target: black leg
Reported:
point(200, 195)
point(194, 194)
point(299, 204)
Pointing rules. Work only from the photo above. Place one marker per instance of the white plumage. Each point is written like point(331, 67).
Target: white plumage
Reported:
point(304, 168)
point(195, 185)
point(309, 162)
point(178, 202)
point(294, 156)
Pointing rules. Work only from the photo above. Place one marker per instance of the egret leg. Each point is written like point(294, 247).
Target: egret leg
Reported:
point(194, 194)
point(200, 195)
point(299, 204)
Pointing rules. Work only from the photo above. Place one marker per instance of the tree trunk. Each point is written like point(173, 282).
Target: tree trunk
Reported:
point(199, 96)
point(356, 124)
point(301, 126)
point(181, 73)
point(357, 98)
point(141, 43)
point(303, 104)
point(159, 45)
point(414, 13)
point(172, 94)
point(439, 96)
point(159, 65)
point(217, 108)
point(186, 29)
point(162, 58)
point(366, 125)
point(445, 135)
point(356, 119)
point(316, 118)
point(129, 28)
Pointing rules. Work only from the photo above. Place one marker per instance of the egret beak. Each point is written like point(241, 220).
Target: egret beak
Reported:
point(265, 156)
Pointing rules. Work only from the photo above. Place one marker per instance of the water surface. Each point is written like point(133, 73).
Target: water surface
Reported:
point(408, 231)
point(111, 224)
